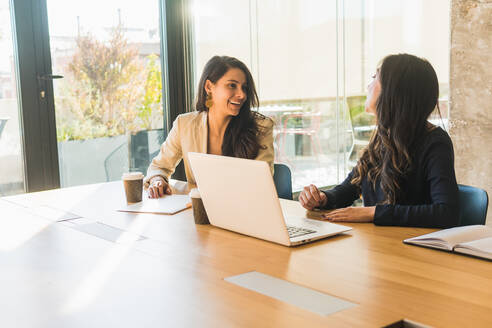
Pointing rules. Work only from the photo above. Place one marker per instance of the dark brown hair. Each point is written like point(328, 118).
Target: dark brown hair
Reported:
point(409, 94)
point(241, 135)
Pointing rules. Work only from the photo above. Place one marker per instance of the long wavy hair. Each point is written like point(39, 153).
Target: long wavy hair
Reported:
point(241, 135)
point(409, 94)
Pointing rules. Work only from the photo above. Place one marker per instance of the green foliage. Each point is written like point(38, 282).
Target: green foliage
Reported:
point(360, 117)
point(357, 111)
point(152, 93)
point(108, 90)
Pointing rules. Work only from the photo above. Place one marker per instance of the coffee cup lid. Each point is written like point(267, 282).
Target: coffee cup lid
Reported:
point(195, 193)
point(132, 176)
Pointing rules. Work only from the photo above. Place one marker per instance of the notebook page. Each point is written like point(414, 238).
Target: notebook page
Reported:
point(447, 238)
point(481, 247)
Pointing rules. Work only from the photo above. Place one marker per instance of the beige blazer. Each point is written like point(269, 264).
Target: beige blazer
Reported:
point(189, 133)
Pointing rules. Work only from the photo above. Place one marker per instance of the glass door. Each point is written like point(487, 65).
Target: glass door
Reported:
point(291, 49)
point(108, 105)
point(417, 27)
point(312, 60)
point(11, 152)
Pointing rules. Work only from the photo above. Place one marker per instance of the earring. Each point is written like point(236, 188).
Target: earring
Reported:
point(209, 102)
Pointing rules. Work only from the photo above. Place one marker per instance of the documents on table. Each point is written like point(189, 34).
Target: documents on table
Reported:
point(473, 240)
point(285, 291)
point(169, 204)
point(104, 231)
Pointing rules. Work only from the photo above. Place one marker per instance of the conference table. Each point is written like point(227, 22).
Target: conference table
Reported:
point(69, 259)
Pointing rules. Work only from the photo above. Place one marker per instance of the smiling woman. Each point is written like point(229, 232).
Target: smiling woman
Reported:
point(223, 124)
point(224, 100)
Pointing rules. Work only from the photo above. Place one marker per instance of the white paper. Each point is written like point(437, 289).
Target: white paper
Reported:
point(169, 204)
point(481, 247)
point(288, 292)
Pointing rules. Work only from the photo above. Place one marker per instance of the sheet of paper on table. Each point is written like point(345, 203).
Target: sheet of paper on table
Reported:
point(169, 204)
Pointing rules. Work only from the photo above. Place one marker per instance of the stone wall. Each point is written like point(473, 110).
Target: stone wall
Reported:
point(471, 92)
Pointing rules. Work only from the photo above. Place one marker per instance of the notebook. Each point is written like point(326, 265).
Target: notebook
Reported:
point(169, 204)
point(475, 240)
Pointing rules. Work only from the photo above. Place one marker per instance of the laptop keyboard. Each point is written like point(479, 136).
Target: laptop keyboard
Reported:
point(297, 231)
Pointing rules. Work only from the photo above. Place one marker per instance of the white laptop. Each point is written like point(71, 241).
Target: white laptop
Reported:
point(240, 195)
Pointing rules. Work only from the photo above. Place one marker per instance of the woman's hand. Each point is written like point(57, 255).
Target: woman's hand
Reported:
point(158, 187)
point(310, 197)
point(351, 214)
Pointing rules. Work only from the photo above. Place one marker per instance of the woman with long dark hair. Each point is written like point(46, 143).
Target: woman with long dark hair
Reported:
point(223, 124)
point(406, 174)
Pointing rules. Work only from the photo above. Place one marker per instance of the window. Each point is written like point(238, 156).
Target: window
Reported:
point(311, 61)
point(109, 113)
point(11, 153)
point(290, 48)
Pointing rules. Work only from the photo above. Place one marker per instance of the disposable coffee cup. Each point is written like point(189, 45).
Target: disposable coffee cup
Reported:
point(199, 212)
point(133, 183)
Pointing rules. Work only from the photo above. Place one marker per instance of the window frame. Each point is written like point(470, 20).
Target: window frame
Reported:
point(35, 87)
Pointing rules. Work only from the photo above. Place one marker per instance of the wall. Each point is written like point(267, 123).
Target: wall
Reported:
point(471, 92)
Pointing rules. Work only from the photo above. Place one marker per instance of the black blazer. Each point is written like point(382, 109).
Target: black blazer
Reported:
point(430, 189)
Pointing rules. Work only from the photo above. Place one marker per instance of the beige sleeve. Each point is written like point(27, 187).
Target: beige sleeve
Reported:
point(266, 152)
point(168, 158)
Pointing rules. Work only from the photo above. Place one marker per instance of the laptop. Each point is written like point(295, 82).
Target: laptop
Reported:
point(239, 195)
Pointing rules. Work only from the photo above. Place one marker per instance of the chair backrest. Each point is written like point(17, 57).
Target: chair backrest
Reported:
point(283, 181)
point(116, 163)
point(3, 121)
point(473, 205)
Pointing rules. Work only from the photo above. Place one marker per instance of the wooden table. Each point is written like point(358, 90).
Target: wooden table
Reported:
point(54, 275)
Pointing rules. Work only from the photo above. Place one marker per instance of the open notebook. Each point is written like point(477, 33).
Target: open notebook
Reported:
point(473, 240)
point(169, 204)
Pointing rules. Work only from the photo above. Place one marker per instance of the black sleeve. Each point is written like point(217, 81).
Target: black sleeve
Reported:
point(443, 212)
point(342, 195)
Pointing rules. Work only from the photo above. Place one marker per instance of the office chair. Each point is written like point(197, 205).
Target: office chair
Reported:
point(473, 205)
point(3, 121)
point(116, 163)
point(283, 181)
